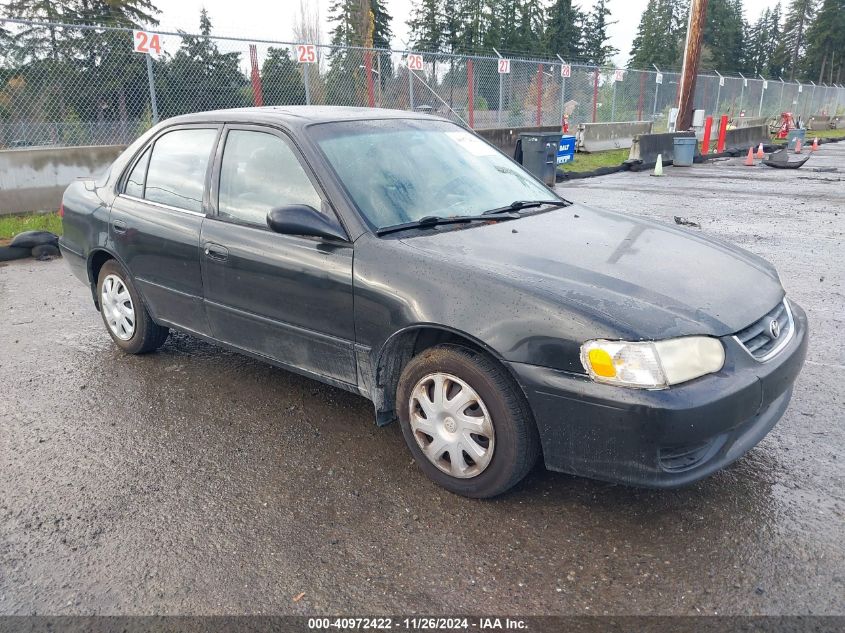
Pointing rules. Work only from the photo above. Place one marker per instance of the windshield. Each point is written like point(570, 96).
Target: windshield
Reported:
point(401, 170)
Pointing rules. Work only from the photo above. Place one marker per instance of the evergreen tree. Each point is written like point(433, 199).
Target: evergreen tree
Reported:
point(427, 28)
point(281, 79)
point(597, 50)
point(563, 35)
point(659, 35)
point(798, 17)
point(724, 35)
point(826, 43)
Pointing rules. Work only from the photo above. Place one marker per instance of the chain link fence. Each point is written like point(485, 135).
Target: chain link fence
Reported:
point(83, 85)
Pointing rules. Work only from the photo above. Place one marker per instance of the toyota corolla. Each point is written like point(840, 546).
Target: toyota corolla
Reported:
point(401, 257)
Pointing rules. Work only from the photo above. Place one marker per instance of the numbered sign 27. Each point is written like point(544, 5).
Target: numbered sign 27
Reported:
point(566, 71)
point(415, 62)
point(504, 66)
point(146, 42)
point(306, 53)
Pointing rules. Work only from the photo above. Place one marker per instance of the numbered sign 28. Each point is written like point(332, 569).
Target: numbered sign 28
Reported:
point(619, 74)
point(415, 62)
point(306, 53)
point(566, 71)
point(504, 66)
point(146, 42)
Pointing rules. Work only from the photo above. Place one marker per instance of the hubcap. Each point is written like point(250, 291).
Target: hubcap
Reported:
point(116, 304)
point(451, 425)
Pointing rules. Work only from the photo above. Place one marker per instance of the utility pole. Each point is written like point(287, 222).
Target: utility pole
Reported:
point(692, 54)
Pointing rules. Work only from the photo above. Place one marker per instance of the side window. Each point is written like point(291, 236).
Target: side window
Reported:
point(260, 171)
point(135, 182)
point(176, 175)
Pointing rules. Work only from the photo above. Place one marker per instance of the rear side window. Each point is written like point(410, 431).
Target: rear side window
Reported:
point(135, 182)
point(260, 171)
point(176, 174)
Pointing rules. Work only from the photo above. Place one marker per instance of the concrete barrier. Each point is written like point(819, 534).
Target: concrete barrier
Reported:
point(746, 121)
point(818, 122)
point(505, 137)
point(838, 123)
point(33, 179)
point(646, 147)
point(599, 137)
point(748, 136)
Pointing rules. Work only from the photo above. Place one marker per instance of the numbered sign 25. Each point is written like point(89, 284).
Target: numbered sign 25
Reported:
point(504, 66)
point(306, 53)
point(566, 71)
point(146, 42)
point(415, 62)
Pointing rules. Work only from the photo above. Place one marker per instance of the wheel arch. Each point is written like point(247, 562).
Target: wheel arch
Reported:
point(410, 341)
point(97, 258)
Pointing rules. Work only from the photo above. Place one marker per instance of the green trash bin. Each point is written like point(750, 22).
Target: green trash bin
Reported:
point(683, 153)
point(539, 154)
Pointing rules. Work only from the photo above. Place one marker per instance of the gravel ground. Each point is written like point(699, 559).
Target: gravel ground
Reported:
point(196, 481)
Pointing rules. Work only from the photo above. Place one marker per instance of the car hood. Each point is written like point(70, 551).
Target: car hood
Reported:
point(645, 279)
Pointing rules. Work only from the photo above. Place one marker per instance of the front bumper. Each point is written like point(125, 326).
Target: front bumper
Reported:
point(664, 438)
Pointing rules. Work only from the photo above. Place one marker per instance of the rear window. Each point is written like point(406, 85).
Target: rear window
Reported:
point(176, 174)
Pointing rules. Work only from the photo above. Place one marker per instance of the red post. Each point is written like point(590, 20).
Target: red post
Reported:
point(705, 142)
point(257, 92)
point(723, 130)
point(539, 118)
point(640, 101)
point(470, 95)
point(595, 94)
point(368, 68)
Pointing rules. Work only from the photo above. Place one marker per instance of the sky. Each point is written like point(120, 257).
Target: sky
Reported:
point(274, 20)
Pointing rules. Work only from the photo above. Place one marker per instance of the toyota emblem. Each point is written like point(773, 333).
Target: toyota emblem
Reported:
point(774, 328)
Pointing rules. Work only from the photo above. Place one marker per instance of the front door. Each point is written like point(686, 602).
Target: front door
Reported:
point(155, 224)
point(285, 297)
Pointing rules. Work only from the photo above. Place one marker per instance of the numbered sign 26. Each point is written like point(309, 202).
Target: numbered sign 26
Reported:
point(146, 42)
point(566, 71)
point(306, 53)
point(504, 66)
point(415, 62)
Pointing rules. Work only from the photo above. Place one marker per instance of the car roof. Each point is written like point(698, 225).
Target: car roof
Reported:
point(299, 115)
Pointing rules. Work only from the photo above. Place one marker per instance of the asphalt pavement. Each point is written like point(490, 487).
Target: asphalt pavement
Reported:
point(198, 481)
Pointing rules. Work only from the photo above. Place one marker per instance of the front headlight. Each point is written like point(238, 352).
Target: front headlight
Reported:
point(652, 364)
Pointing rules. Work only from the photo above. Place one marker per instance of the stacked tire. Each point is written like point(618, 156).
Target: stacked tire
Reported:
point(42, 245)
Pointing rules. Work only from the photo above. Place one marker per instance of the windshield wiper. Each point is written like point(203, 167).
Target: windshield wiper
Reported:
point(518, 205)
point(432, 220)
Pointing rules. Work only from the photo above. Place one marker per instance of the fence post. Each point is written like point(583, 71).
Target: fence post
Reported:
point(151, 81)
point(742, 92)
point(595, 94)
point(368, 68)
point(307, 83)
point(640, 100)
point(762, 93)
point(411, 87)
point(562, 92)
point(613, 106)
point(470, 97)
point(718, 93)
point(257, 92)
point(780, 101)
point(539, 117)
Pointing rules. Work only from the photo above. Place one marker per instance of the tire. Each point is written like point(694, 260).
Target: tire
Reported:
point(45, 252)
point(31, 239)
point(144, 335)
point(9, 253)
point(499, 401)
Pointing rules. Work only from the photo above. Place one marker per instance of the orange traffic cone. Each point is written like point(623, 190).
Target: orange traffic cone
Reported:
point(798, 146)
point(749, 160)
point(760, 153)
point(815, 146)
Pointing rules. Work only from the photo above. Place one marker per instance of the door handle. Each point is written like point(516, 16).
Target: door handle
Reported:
point(216, 252)
point(119, 226)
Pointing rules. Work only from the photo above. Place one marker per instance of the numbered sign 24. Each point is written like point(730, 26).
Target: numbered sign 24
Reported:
point(504, 66)
point(146, 42)
point(415, 62)
point(306, 53)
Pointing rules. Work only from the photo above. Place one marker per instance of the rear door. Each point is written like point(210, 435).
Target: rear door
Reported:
point(156, 220)
point(285, 297)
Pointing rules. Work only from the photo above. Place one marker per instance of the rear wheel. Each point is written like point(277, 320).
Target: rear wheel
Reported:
point(466, 422)
point(124, 313)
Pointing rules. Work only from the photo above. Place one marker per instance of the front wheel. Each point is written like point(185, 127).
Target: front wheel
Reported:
point(124, 313)
point(466, 422)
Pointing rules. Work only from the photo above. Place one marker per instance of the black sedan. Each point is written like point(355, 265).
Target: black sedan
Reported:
point(401, 257)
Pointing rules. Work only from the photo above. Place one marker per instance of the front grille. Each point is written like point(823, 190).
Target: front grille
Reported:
point(759, 339)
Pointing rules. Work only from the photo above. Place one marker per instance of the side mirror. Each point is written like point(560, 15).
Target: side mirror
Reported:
point(301, 219)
